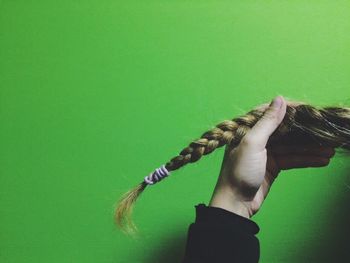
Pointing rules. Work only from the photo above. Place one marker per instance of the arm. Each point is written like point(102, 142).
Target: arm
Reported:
point(223, 232)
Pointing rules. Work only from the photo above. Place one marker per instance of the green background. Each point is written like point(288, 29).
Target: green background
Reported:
point(94, 95)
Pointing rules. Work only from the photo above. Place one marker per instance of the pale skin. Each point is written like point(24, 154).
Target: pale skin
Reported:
point(249, 170)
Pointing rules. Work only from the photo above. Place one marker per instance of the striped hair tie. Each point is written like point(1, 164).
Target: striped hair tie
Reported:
point(157, 175)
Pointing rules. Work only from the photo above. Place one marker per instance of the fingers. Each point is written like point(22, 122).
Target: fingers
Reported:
point(264, 106)
point(257, 137)
point(286, 162)
point(313, 150)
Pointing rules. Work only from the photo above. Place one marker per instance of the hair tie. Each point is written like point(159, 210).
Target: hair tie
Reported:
point(157, 175)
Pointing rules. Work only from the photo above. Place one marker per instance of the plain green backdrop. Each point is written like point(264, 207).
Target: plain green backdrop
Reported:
point(96, 94)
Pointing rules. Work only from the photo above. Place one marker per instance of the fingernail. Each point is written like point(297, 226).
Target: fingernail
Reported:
point(276, 102)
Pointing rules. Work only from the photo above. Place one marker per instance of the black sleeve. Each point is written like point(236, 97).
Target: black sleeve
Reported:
point(220, 236)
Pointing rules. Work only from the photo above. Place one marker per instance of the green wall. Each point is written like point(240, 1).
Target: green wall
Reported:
point(94, 95)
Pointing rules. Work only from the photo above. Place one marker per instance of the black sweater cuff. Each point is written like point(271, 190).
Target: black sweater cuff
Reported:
point(218, 235)
point(219, 216)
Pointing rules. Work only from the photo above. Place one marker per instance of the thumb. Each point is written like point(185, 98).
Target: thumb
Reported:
point(259, 134)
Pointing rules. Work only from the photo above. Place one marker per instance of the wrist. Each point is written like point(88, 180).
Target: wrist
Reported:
point(228, 200)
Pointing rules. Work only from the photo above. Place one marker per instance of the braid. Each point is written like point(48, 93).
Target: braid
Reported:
point(328, 126)
point(227, 132)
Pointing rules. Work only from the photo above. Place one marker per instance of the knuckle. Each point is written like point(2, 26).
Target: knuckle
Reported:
point(332, 153)
point(325, 161)
point(271, 116)
point(247, 140)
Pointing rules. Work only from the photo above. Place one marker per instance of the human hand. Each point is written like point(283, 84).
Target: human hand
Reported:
point(249, 170)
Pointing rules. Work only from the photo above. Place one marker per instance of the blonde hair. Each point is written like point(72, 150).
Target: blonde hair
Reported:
point(329, 126)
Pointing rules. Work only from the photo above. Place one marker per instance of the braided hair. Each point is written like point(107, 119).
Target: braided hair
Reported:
point(329, 126)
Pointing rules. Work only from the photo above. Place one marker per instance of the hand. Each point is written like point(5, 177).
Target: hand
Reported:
point(248, 171)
